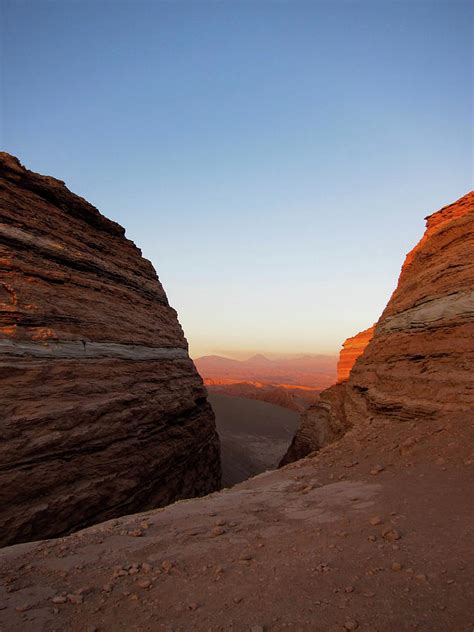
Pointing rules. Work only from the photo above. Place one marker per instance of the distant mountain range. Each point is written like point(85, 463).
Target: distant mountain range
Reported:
point(293, 382)
point(314, 371)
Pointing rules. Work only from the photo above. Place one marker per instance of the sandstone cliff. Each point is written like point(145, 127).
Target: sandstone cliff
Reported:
point(419, 363)
point(102, 410)
point(351, 350)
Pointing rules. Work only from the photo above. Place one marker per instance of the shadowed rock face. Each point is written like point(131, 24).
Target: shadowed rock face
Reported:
point(420, 361)
point(102, 410)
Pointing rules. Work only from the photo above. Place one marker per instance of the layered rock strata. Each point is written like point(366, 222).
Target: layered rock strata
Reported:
point(419, 363)
point(351, 350)
point(102, 410)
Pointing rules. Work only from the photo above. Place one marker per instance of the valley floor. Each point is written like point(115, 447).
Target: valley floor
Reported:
point(254, 435)
point(372, 534)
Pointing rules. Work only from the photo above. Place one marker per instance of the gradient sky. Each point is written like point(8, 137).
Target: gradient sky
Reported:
point(274, 160)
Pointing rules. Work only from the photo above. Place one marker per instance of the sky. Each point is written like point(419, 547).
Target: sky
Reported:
point(274, 160)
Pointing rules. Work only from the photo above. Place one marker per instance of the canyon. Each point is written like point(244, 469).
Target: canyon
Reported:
point(103, 412)
point(367, 526)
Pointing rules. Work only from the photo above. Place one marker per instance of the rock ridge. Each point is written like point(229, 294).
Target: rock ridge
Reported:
point(103, 412)
point(419, 363)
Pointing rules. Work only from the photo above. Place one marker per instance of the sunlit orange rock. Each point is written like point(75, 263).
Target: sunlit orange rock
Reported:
point(102, 410)
point(419, 364)
point(351, 350)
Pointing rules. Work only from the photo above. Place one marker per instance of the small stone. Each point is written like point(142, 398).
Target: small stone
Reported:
point(257, 628)
point(323, 568)
point(237, 599)
point(372, 538)
point(167, 565)
point(349, 589)
point(420, 577)
point(351, 625)
point(107, 588)
point(59, 599)
point(220, 523)
point(136, 533)
point(375, 520)
point(144, 583)
point(377, 469)
point(396, 566)
point(193, 606)
point(245, 557)
point(218, 531)
point(390, 535)
point(133, 571)
point(75, 599)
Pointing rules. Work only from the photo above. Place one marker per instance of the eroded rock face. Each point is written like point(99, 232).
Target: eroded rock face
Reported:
point(351, 350)
point(419, 363)
point(102, 410)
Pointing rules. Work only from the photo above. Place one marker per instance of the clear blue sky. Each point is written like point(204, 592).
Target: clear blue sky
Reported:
point(274, 160)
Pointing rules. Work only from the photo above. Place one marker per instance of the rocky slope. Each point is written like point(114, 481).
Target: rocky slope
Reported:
point(420, 361)
point(103, 412)
point(351, 350)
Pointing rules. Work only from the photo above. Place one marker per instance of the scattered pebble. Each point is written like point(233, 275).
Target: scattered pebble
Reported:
point(396, 566)
point(218, 531)
point(375, 520)
point(167, 565)
point(136, 533)
point(390, 534)
point(144, 583)
point(351, 624)
point(377, 469)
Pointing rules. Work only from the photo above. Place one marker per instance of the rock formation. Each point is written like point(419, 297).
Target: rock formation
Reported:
point(102, 410)
point(351, 350)
point(419, 363)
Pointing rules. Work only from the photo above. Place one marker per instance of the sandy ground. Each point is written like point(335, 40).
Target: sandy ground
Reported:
point(254, 435)
point(374, 534)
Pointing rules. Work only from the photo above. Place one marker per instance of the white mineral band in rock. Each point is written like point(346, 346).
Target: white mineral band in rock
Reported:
point(433, 313)
point(78, 350)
